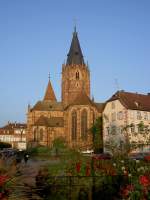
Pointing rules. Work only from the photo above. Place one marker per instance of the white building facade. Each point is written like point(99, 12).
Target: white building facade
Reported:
point(14, 134)
point(126, 119)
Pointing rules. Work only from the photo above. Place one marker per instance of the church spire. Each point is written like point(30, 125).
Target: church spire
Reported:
point(49, 94)
point(75, 55)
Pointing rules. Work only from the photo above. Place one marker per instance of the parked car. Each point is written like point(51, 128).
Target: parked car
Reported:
point(147, 157)
point(140, 156)
point(102, 156)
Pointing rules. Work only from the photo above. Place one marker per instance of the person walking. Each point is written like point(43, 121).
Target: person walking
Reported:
point(26, 158)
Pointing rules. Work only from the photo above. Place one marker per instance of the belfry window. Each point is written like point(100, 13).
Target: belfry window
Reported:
point(84, 125)
point(77, 75)
point(74, 125)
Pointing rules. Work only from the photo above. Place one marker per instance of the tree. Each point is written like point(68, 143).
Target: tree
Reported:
point(97, 134)
point(59, 144)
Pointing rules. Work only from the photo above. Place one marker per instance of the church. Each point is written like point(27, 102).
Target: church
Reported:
point(72, 117)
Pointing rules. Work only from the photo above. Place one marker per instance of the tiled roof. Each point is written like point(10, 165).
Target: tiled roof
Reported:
point(49, 94)
point(12, 126)
point(48, 106)
point(133, 101)
point(50, 122)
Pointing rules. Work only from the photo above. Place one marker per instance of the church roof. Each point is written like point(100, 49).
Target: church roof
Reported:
point(82, 99)
point(75, 55)
point(50, 122)
point(133, 101)
point(49, 94)
point(48, 106)
point(100, 106)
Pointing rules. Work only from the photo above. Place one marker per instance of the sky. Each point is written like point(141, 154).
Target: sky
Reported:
point(35, 37)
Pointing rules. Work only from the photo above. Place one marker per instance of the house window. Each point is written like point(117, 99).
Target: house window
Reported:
point(113, 130)
point(120, 115)
point(145, 116)
point(108, 130)
point(139, 117)
point(132, 128)
point(113, 116)
point(121, 130)
point(132, 114)
point(41, 134)
point(77, 75)
point(74, 125)
point(84, 124)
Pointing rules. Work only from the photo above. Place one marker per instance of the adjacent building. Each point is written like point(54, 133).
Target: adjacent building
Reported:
point(14, 134)
point(126, 119)
point(73, 116)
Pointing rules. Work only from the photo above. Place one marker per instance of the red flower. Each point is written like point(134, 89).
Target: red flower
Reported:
point(88, 170)
point(78, 167)
point(3, 180)
point(144, 180)
point(1, 195)
point(125, 190)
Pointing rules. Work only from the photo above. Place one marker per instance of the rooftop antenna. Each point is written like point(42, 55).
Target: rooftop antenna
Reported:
point(117, 84)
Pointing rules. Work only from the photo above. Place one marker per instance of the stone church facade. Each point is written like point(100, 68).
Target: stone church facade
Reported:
point(71, 118)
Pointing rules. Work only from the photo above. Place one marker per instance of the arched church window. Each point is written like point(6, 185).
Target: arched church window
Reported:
point(74, 125)
point(93, 117)
point(77, 75)
point(84, 125)
point(34, 135)
point(41, 134)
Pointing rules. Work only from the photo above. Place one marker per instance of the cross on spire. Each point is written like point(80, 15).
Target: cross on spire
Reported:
point(75, 24)
point(49, 76)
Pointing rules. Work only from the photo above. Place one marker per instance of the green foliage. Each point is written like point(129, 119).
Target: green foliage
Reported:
point(97, 131)
point(59, 145)
point(40, 151)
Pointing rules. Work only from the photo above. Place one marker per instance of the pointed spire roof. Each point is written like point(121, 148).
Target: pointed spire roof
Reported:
point(75, 55)
point(49, 94)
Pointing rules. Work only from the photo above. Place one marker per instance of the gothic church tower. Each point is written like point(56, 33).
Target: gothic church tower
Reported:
point(75, 73)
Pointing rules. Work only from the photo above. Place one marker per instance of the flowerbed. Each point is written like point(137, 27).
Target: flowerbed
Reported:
point(4, 191)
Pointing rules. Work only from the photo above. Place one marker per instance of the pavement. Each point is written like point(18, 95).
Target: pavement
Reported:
point(23, 184)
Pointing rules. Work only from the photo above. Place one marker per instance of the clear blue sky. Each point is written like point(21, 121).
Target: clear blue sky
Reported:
point(35, 37)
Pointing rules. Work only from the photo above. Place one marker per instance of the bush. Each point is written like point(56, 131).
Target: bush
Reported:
point(4, 145)
point(40, 151)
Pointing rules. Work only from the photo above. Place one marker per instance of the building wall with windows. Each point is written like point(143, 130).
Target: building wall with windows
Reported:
point(14, 134)
point(123, 124)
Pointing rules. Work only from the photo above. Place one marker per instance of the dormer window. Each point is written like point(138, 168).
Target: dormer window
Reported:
point(136, 103)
